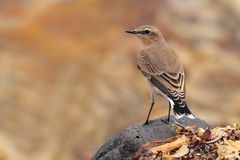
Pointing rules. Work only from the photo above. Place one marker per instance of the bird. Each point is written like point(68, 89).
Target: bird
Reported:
point(163, 70)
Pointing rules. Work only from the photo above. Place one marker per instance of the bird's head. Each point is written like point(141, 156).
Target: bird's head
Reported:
point(148, 34)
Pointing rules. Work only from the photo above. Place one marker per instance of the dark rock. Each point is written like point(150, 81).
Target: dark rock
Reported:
point(127, 142)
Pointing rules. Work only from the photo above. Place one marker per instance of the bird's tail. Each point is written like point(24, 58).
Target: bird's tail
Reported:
point(181, 109)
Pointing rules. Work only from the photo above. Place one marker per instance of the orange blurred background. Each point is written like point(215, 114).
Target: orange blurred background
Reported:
point(68, 76)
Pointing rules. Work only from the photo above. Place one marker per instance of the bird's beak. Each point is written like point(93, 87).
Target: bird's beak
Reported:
point(131, 31)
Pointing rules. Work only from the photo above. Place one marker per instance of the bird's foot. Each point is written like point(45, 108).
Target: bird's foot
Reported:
point(167, 121)
point(146, 122)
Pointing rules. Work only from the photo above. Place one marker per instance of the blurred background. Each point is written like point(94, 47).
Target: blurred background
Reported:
point(68, 75)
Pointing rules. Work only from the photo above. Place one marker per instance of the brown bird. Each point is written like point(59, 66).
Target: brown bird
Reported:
point(163, 70)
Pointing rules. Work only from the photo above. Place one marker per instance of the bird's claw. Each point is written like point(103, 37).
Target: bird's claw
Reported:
point(146, 123)
point(167, 121)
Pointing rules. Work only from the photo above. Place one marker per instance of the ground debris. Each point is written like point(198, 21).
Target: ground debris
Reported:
point(217, 143)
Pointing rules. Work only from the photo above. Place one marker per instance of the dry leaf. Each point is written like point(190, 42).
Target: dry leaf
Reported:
point(200, 132)
point(235, 144)
point(190, 127)
point(237, 134)
point(206, 135)
point(216, 134)
point(172, 145)
point(183, 150)
point(181, 129)
point(226, 151)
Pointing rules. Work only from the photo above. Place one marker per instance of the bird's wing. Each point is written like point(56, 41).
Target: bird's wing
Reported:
point(170, 82)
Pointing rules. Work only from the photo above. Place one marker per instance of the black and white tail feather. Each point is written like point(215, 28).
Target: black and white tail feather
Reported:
point(180, 109)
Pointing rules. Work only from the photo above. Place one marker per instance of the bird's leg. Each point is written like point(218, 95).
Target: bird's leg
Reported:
point(151, 107)
point(169, 111)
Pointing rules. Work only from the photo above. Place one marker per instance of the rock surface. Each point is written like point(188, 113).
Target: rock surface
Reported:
point(127, 142)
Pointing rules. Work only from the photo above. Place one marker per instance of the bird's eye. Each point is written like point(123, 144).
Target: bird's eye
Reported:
point(147, 31)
